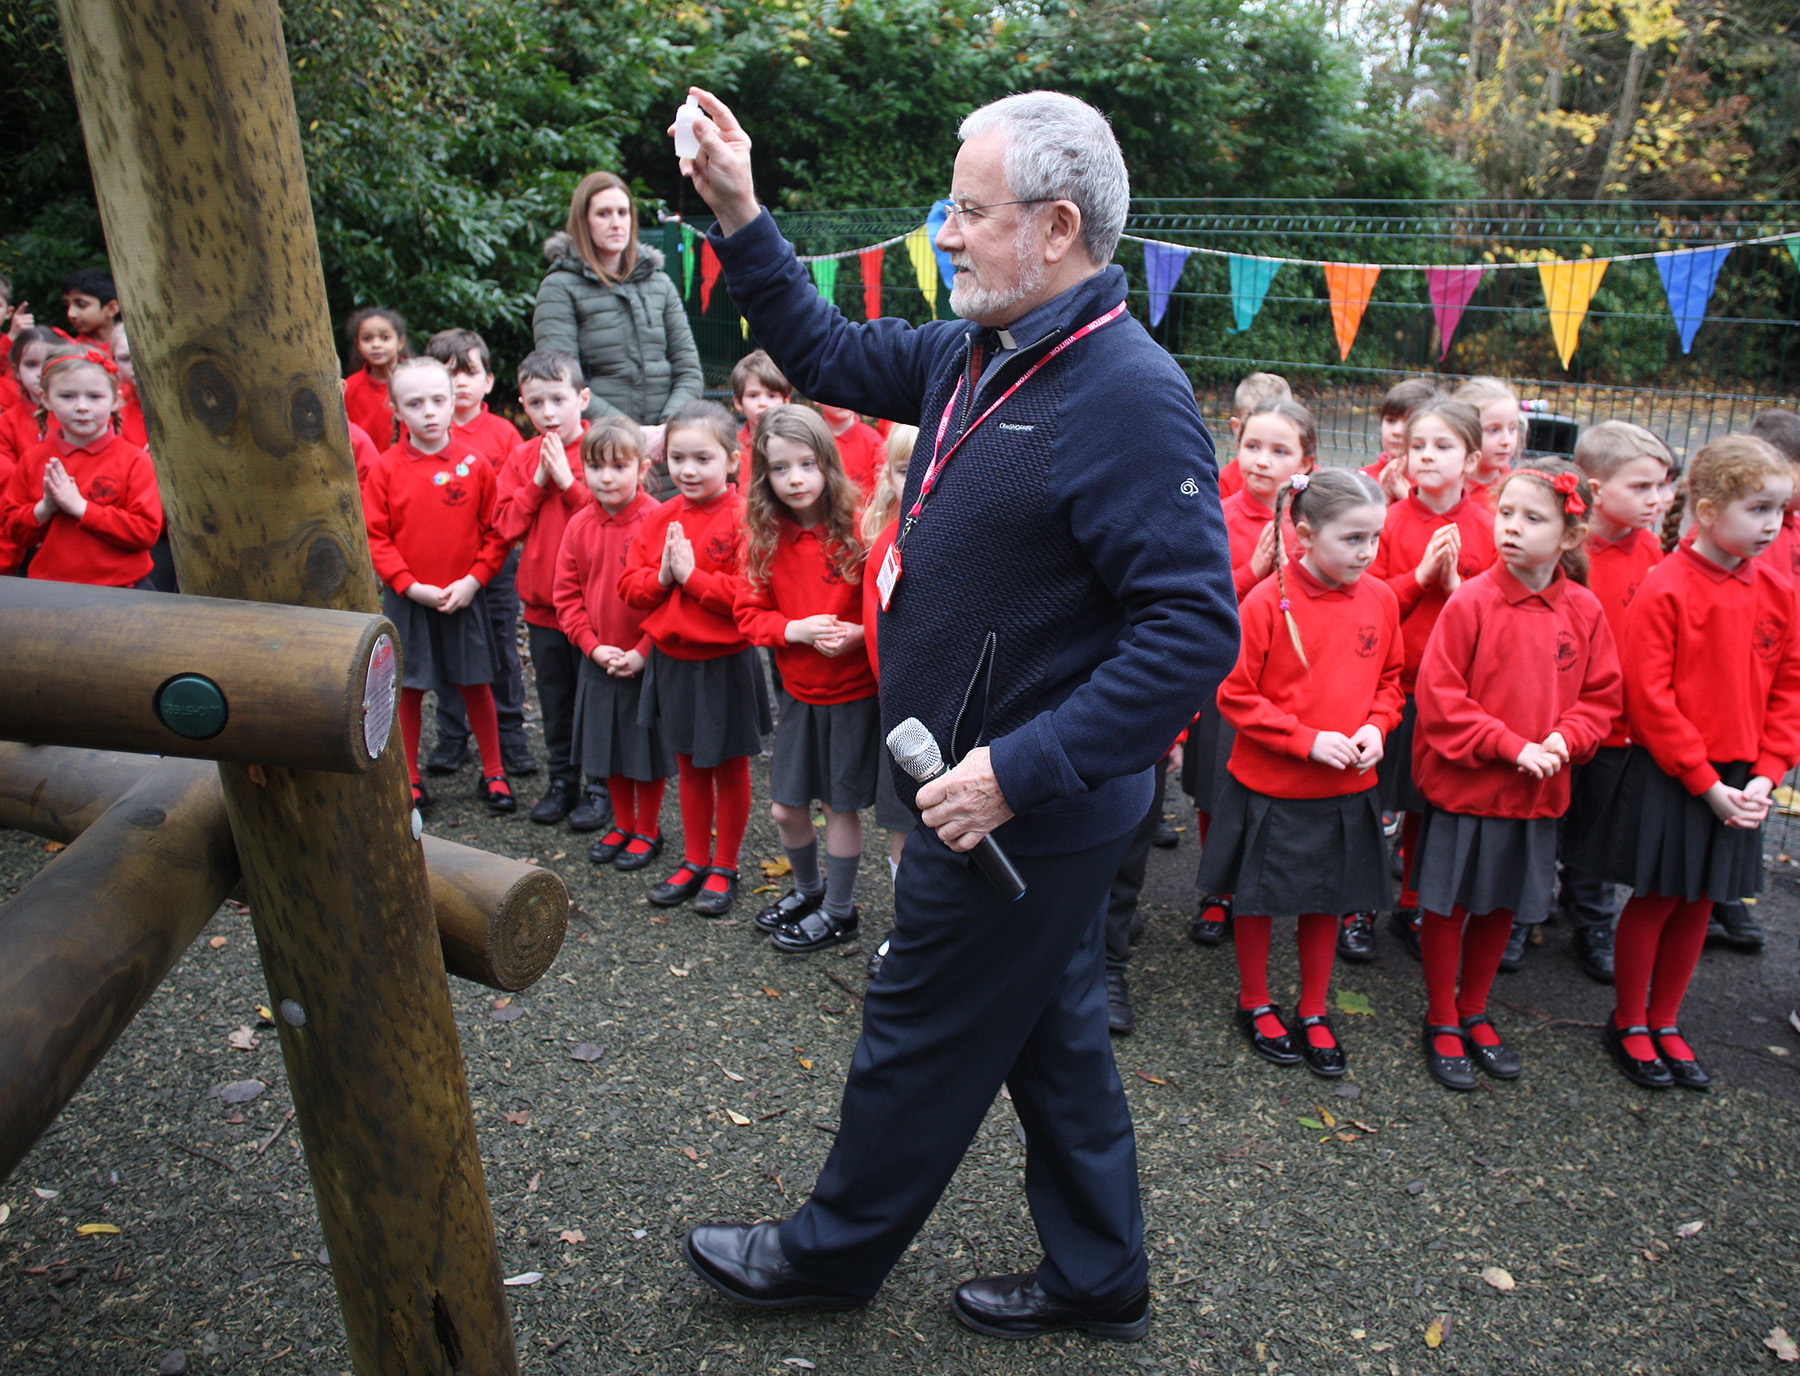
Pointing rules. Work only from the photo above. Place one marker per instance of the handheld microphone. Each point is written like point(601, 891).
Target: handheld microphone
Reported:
point(916, 751)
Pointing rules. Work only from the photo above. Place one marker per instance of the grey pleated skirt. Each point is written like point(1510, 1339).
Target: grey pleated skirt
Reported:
point(1483, 863)
point(435, 648)
point(1394, 774)
point(710, 710)
point(828, 753)
point(890, 813)
point(609, 737)
point(1659, 838)
point(1203, 761)
point(1281, 857)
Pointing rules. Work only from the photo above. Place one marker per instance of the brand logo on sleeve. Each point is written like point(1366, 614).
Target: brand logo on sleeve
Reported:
point(1190, 488)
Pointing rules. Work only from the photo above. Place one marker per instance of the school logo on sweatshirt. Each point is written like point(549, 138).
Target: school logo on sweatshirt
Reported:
point(455, 493)
point(721, 549)
point(1367, 638)
point(1766, 638)
point(103, 490)
point(1567, 650)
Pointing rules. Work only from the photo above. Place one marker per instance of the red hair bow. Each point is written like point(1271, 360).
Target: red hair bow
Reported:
point(1565, 483)
point(101, 359)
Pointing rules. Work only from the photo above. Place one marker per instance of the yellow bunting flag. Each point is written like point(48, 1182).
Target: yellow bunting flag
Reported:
point(1568, 287)
point(1350, 285)
point(744, 327)
point(924, 261)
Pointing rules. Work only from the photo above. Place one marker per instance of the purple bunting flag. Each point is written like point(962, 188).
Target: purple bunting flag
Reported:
point(1451, 289)
point(1162, 270)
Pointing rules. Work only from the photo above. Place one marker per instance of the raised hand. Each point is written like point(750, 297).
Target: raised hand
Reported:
point(1262, 558)
point(681, 555)
point(553, 464)
point(60, 488)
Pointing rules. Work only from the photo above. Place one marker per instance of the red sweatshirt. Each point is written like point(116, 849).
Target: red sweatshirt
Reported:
point(1231, 479)
point(1245, 518)
point(131, 417)
point(1506, 666)
point(19, 434)
point(802, 583)
point(539, 516)
point(431, 517)
point(110, 544)
point(1279, 705)
point(863, 453)
point(1408, 530)
point(369, 406)
point(1782, 558)
point(1712, 669)
point(692, 620)
point(492, 437)
point(871, 593)
point(363, 450)
point(588, 564)
point(1376, 469)
point(1616, 567)
point(9, 385)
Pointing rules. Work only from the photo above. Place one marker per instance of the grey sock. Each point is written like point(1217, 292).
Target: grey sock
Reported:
point(805, 861)
point(840, 883)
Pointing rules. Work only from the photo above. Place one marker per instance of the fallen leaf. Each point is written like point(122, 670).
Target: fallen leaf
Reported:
point(503, 1001)
point(677, 970)
point(1498, 1277)
point(1361, 1126)
point(1778, 1051)
point(767, 888)
point(774, 869)
point(1312, 1123)
point(45, 1194)
point(53, 846)
point(218, 943)
point(241, 1039)
point(561, 854)
point(1782, 1346)
point(772, 993)
point(737, 1118)
point(97, 1229)
point(5, 1213)
point(571, 1235)
point(240, 1091)
point(800, 1362)
point(1325, 1113)
point(531, 1185)
point(524, 1278)
point(1348, 1137)
point(805, 1064)
point(690, 1153)
point(1349, 1001)
point(731, 1075)
point(519, 1119)
point(512, 1012)
point(1689, 1229)
point(1435, 1331)
point(587, 1051)
point(1146, 1075)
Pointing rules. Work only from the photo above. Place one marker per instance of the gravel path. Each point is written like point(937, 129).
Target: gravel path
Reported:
point(1295, 1226)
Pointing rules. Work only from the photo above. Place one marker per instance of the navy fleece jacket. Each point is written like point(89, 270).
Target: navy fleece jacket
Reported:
point(1066, 595)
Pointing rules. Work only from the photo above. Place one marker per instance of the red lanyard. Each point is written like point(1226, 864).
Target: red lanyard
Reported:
point(940, 459)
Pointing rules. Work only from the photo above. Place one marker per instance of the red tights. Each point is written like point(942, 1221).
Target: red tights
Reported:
point(637, 809)
point(1475, 942)
point(1318, 944)
point(1654, 955)
point(478, 702)
point(717, 797)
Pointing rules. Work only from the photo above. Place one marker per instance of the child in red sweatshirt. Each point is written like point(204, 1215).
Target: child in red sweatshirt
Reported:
point(21, 419)
point(703, 686)
point(1297, 829)
point(377, 339)
point(1520, 680)
point(1397, 406)
point(84, 500)
point(860, 447)
point(1712, 702)
point(799, 596)
point(429, 505)
point(609, 740)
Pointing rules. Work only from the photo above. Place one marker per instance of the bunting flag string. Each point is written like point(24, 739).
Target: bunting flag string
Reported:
point(688, 238)
point(1568, 287)
point(1450, 290)
point(1162, 269)
point(709, 273)
point(1250, 278)
point(1350, 285)
point(871, 275)
point(1688, 277)
point(824, 274)
point(924, 262)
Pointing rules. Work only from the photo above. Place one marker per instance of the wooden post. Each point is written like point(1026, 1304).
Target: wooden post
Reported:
point(194, 145)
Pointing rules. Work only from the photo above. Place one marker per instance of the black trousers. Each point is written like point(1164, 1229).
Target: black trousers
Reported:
point(557, 664)
point(509, 674)
point(976, 993)
point(1128, 883)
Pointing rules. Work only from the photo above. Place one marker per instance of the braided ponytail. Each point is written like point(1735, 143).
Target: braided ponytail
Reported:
point(1283, 499)
point(1671, 527)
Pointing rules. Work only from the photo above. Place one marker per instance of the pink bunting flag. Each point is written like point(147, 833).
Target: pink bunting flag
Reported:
point(710, 267)
point(871, 275)
point(1351, 285)
point(1451, 289)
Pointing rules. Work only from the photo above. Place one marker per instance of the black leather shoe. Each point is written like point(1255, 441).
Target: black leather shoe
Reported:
point(816, 931)
point(607, 848)
point(1328, 1061)
point(1016, 1307)
point(593, 811)
point(1279, 1050)
point(1651, 1074)
point(679, 886)
point(1120, 1016)
point(1452, 1072)
point(422, 799)
point(1594, 950)
point(1732, 924)
point(558, 801)
point(1499, 1062)
point(1688, 1074)
point(629, 859)
point(496, 796)
point(1513, 957)
point(1405, 922)
point(717, 902)
point(1166, 838)
point(518, 759)
point(789, 909)
point(1356, 938)
point(744, 1262)
point(1212, 920)
point(448, 761)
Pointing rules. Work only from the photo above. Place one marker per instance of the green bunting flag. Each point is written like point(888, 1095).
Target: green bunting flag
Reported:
point(824, 274)
point(688, 239)
point(1250, 278)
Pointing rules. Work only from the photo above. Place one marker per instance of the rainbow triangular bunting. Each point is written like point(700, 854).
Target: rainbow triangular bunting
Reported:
point(709, 273)
point(824, 275)
point(1351, 285)
point(1250, 278)
point(1162, 270)
point(688, 236)
point(1451, 290)
point(924, 262)
point(1568, 287)
point(1688, 276)
point(744, 327)
point(871, 275)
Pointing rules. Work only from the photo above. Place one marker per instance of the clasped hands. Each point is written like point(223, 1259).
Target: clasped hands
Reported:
point(617, 662)
point(1743, 808)
point(448, 599)
point(1361, 752)
point(677, 557)
point(553, 464)
point(1437, 566)
point(60, 494)
point(825, 633)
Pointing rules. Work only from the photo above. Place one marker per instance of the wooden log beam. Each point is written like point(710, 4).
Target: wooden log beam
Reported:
point(117, 669)
point(194, 147)
point(501, 921)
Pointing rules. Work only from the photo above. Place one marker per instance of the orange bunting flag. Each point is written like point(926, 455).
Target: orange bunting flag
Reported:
point(871, 275)
point(1568, 287)
point(924, 261)
point(1350, 285)
point(709, 274)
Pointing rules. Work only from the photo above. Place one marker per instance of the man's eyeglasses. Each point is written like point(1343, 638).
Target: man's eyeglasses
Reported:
point(973, 214)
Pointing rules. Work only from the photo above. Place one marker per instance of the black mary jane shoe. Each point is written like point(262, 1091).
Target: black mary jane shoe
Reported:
point(1688, 1074)
point(1276, 1050)
point(1017, 1307)
point(1356, 938)
point(1328, 1061)
point(1452, 1072)
point(1651, 1074)
point(790, 908)
point(629, 859)
point(1405, 922)
point(1512, 958)
point(496, 797)
point(1211, 931)
point(717, 902)
point(1497, 1062)
point(676, 890)
point(607, 848)
point(422, 798)
point(816, 931)
point(744, 1262)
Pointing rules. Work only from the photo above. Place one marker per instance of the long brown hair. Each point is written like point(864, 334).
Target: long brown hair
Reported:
point(577, 227)
point(764, 511)
point(1546, 472)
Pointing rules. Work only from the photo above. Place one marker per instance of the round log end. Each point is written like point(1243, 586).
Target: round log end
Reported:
point(528, 930)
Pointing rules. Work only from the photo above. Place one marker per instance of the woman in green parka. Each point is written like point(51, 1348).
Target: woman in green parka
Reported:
point(607, 300)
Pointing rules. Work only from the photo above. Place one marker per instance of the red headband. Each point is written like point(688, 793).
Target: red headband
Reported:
point(98, 357)
point(1566, 483)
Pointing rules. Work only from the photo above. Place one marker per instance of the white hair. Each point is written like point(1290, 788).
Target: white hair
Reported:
point(1059, 148)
